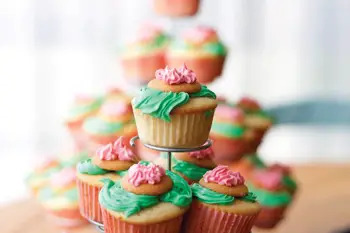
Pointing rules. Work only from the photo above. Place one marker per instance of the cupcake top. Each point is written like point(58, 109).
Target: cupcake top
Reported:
point(199, 41)
point(115, 114)
point(221, 186)
point(144, 190)
point(228, 122)
point(84, 106)
point(174, 91)
point(113, 157)
point(61, 193)
point(193, 165)
point(149, 39)
point(269, 187)
point(255, 116)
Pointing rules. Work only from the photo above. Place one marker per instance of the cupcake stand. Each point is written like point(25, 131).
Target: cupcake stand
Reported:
point(169, 151)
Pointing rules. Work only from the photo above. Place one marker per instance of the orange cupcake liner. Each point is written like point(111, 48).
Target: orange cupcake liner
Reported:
point(88, 201)
point(203, 219)
point(269, 217)
point(117, 225)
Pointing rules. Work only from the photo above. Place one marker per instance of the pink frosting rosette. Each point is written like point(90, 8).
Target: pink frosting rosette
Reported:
point(116, 151)
point(224, 176)
point(200, 34)
point(173, 76)
point(230, 113)
point(145, 174)
point(63, 178)
point(202, 154)
point(268, 179)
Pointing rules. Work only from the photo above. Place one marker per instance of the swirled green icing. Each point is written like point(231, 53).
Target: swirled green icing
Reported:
point(97, 125)
point(215, 48)
point(289, 182)
point(228, 130)
point(87, 167)
point(121, 173)
point(210, 197)
point(204, 92)
point(271, 199)
point(82, 109)
point(190, 170)
point(255, 160)
point(159, 104)
point(180, 194)
point(114, 197)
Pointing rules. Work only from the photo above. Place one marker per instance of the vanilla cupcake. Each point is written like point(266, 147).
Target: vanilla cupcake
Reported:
point(201, 50)
point(221, 203)
point(147, 199)
point(257, 121)
point(144, 55)
point(113, 120)
point(193, 165)
point(174, 110)
point(228, 132)
point(111, 161)
point(60, 199)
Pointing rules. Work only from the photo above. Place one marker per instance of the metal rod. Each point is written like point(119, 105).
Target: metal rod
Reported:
point(169, 161)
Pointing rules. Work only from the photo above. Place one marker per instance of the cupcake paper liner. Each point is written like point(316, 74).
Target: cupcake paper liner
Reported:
point(184, 130)
point(269, 217)
point(88, 201)
point(203, 219)
point(176, 8)
point(117, 225)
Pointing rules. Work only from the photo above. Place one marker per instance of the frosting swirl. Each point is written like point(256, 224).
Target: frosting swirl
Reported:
point(268, 179)
point(116, 151)
point(224, 176)
point(202, 154)
point(200, 34)
point(63, 178)
point(231, 113)
point(145, 174)
point(173, 76)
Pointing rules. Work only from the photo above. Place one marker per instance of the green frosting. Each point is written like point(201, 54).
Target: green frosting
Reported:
point(211, 197)
point(190, 170)
point(82, 109)
point(271, 199)
point(256, 161)
point(121, 173)
point(289, 182)
point(87, 167)
point(215, 48)
point(159, 104)
point(97, 125)
point(114, 197)
point(227, 130)
point(204, 92)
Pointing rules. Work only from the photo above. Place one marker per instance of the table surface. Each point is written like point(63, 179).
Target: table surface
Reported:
point(322, 205)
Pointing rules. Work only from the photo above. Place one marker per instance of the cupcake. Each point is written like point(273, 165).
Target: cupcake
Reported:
point(111, 161)
point(271, 194)
point(221, 203)
point(193, 165)
point(60, 199)
point(176, 8)
point(288, 181)
point(201, 50)
point(256, 120)
point(227, 133)
point(147, 199)
point(42, 173)
point(141, 58)
point(84, 106)
point(113, 120)
point(174, 110)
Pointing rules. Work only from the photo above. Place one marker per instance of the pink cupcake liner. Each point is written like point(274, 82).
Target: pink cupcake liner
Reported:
point(88, 201)
point(117, 225)
point(203, 219)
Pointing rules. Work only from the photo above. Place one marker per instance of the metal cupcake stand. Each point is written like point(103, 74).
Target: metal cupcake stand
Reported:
point(169, 151)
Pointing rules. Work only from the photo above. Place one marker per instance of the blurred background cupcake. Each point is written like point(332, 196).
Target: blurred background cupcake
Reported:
point(145, 54)
point(201, 50)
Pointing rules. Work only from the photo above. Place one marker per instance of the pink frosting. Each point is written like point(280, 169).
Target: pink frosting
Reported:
point(283, 169)
point(115, 108)
point(224, 176)
point(202, 154)
point(176, 76)
point(148, 32)
point(116, 151)
point(231, 113)
point(249, 103)
point(268, 179)
point(199, 34)
point(63, 178)
point(145, 174)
